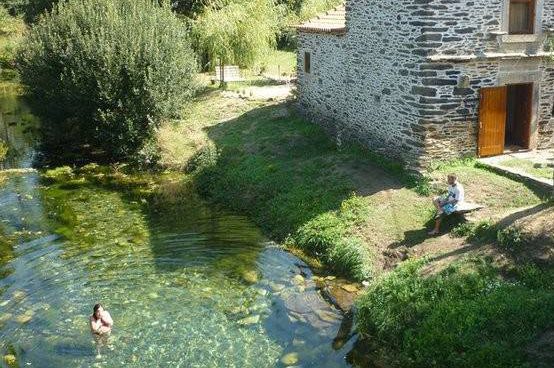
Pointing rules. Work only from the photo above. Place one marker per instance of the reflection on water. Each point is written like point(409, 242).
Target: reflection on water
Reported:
point(18, 128)
point(187, 285)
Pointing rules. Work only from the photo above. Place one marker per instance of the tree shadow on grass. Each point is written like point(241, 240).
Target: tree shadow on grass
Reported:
point(283, 171)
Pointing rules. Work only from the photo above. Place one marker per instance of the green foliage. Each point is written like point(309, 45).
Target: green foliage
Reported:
point(191, 8)
point(35, 8)
point(3, 150)
point(30, 10)
point(59, 174)
point(203, 159)
point(482, 231)
point(464, 316)
point(327, 238)
point(11, 29)
point(104, 73)
point(14, 7)
point(510, 238)
point(240, 32)
point(294, 12)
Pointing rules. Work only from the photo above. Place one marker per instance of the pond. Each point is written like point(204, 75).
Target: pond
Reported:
point(187, 285)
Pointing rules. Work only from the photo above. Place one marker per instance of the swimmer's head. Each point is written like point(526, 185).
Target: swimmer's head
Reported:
point(97, 310)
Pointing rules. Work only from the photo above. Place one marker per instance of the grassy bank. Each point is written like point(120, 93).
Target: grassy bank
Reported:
point(465, 316)
point(361, 215)
point(345, 206)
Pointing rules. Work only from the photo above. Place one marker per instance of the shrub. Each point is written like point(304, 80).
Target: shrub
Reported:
point(465, 316)
point(203, 159)
point(320, 234)
point(105, 73)
point(326, 237)
point(483, 231)
point(510, 238)
point(59, 174)
point(463, 229)
point(350, 257)
point(3, 150)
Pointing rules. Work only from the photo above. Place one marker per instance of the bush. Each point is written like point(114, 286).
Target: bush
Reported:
point(203, 159)
point(510, 238)
point(105, 73)
point(465, 316)
point(3, 150)
point(483, 231)
point(326, 237)
point(59, 174)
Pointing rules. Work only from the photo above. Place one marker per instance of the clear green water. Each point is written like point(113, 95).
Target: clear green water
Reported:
point(187, 285)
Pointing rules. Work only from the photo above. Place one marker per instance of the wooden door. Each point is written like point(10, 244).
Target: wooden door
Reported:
point(492, 121)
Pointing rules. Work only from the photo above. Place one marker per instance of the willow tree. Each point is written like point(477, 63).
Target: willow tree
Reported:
point(238, 32)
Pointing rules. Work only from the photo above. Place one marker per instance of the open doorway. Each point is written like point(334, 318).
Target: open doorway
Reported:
point(518, 116)
point(505, 119)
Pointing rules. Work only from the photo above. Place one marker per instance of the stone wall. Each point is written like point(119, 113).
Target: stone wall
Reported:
point(382, 85)
point(545, 124)
point(377, 84)
point(453, 115)
point(319, 92)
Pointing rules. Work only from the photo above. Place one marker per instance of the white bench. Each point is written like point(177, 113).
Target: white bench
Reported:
point(231, 73)
point(467, 207)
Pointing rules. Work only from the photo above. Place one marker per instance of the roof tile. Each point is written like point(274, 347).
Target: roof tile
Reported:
point(332, 21)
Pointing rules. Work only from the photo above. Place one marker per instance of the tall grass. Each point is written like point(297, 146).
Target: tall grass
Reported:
point(466, 316)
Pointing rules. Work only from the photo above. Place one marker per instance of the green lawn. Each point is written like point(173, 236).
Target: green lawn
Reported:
point(280, 63)
point(499, 194)
point(533, 169)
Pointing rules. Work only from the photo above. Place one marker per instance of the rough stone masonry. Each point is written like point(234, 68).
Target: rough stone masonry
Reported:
point(403, 77)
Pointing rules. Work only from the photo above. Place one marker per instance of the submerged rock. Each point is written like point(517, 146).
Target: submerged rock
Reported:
point(290, 359)
point(5, 317)
point(276, 287)
point(250, 277)
point(10, 360)
point(327, 316)
point(24, 318)
point(19, 295)
point(252, 320)
point(298, 279)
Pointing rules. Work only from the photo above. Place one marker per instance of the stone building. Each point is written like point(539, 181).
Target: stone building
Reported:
point(428, 80)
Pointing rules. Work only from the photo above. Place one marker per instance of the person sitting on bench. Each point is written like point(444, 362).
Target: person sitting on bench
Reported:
point(448, 203)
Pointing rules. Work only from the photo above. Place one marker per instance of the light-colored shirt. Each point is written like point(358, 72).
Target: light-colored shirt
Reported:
point(456, 192)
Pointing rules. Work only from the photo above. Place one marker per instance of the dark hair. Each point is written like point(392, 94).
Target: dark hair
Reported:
point(95, 309)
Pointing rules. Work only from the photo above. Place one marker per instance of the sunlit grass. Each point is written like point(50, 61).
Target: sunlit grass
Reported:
point(531, 168)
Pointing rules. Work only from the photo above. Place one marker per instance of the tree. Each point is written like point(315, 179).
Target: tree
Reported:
point(294, 12)
point(104, 73)
point(239, 32)
point(35, 8)
point(29, 9)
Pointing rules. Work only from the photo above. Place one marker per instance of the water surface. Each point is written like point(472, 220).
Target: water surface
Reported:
point(187, 285)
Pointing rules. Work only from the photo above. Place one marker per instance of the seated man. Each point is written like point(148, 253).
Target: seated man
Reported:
point(448, 203)
point(100, 322)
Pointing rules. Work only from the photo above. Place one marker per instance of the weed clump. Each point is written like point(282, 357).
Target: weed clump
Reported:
point(510, 238)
